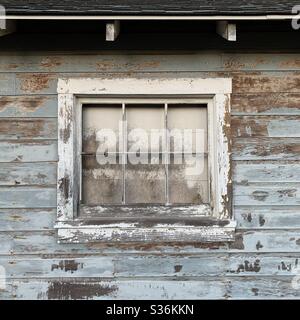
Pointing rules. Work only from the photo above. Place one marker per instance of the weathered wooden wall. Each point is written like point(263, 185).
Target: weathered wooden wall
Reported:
point(261, 263)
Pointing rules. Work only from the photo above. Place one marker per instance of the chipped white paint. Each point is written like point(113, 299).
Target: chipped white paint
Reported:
point(143, 86)
point(130, 233)
point(66, 174)
point(215, 92)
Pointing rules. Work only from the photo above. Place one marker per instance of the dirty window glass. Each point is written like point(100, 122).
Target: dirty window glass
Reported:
point(144, 154)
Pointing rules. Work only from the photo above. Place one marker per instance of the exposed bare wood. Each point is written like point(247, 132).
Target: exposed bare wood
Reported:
point(28, 106)
point(276, 103)
point(103, 62)
point(265, 126)
point(23, 128)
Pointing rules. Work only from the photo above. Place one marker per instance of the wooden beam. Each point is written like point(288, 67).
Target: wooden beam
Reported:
point(112, 30)
point(10, 27)
point(226, 30)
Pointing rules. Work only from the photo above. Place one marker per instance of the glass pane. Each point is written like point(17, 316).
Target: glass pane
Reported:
point(188, 173)
point(187, 125)
point(100, 128)
point(145, 183)
point(188, 181)
point(101, 184)
point(145, 173)
point(145, 124)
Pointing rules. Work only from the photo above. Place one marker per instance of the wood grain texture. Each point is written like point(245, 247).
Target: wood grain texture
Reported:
point(265, 126)
point(164, 289)
point(281, 194)
point(150, 266)
point(22, 197)
point(268, 217)
point(272, 82)
point(112, 289)
point(266, 149)
point(21, 174)
point(44, 242)
point(276, 103)
point(262, 261)
point(266, 82)
point(103, 62)
point(27, 219)
point(28, 151)
point(28, 106)
point(266, 171)
point(21, 128)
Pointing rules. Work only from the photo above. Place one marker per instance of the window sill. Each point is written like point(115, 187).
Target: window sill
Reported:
point(154, 228)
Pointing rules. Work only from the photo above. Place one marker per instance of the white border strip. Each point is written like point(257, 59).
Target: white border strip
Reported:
point(136, 17)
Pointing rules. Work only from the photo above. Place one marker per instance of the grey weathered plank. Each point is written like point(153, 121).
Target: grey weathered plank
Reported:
point(275, 103)
point(260, 61)
point(266, 149)
point(25, 128)
point(21, 174)
point(265, 126)
point(277, 194)
point(27, 197)
point(276, 171)
point(276, 217)
point(264, 288)
point(7, 83)
point(246, 217)
point(28, 151)
point(258, 82)
point(146, 266)
point(239, 287)
point(132, 212)
point(110, 63)
point(45, 243)
point(28, 106)
point(27, 219)
point(113, 289)
point(49, 62)
point(266, 82)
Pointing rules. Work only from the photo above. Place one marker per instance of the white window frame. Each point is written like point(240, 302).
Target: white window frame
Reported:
point(127, 224)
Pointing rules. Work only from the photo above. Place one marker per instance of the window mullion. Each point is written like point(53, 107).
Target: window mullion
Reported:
point(124, 149)
point(166, 155)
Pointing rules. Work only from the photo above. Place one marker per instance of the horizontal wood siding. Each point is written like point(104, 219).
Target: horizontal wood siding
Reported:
point(263, 261)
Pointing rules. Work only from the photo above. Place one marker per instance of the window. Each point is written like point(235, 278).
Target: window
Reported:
point(146, 154)
point(144, 160)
